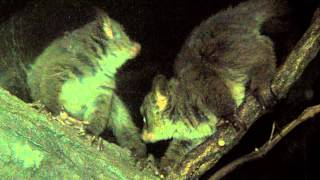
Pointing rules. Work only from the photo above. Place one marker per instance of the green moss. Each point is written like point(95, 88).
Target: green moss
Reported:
point(12, 149)
point(34, 148)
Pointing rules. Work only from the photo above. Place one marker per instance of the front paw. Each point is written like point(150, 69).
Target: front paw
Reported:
point(150, 164)
point(265, 96)
point(98, 141)
point(166, 165)
point(233, 120)
point(139, 151)
point(65, 119)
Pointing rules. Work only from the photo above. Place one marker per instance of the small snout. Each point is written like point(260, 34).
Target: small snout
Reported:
point(135, 50)
point(147, 137)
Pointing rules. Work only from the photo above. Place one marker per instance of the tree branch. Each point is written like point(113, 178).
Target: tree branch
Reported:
point(304, 52)
point(264, 149)
point(209, 152)
point(34, 146)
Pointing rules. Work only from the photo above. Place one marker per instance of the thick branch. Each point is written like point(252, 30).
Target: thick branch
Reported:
point(264, 149)
point(208, 153)
point(34, 146)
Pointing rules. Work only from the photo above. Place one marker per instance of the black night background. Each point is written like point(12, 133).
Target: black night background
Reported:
point(161, 28)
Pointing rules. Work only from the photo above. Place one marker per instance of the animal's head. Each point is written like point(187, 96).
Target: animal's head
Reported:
point(120, 47)
point(166, 117)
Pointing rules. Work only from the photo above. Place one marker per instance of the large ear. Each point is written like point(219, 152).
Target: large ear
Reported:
point(105, 22)
point(159, 84)
point(160, 90)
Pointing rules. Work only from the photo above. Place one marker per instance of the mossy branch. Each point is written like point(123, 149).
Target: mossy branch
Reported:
point(206, 155)
point(34, 146)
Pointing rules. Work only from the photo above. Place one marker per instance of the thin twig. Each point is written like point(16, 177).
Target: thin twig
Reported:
point(272, 131)
point(264, 149)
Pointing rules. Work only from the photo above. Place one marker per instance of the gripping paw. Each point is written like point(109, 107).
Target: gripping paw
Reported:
point(65, 119)
point(97, 140)
point(150, 164)
point(37, 105)
point(264, 96)
point(234, 120)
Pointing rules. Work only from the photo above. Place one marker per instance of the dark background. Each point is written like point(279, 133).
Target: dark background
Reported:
point(162, 26)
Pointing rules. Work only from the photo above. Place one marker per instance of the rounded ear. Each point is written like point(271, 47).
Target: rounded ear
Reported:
point(159, 84)
point(172, 84)
point(105, 22)
point(160, 91)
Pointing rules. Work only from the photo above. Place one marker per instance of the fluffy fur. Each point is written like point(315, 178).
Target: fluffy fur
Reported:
point(224, 58)
point(77, 72)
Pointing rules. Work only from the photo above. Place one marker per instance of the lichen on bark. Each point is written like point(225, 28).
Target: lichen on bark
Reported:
point(35, 146)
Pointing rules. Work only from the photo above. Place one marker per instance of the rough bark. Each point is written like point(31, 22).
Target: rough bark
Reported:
point(260, 152)
point(34, 146)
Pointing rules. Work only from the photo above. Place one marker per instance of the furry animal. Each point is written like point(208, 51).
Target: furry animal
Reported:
point(224, 58)
point(77, 72)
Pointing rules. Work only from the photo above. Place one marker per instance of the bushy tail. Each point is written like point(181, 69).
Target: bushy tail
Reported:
point(253, 13)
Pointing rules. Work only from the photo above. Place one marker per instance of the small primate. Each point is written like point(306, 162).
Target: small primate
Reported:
point(77, 73)
point(224, 58)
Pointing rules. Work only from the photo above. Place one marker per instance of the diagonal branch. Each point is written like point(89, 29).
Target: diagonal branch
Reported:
point(263, 150)
point(208, 153)
point(305, 50)
point(33, 145)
